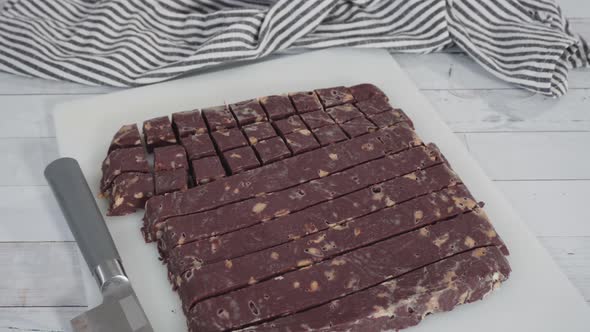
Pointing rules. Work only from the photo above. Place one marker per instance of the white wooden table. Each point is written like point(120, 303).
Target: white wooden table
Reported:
point(534, 147)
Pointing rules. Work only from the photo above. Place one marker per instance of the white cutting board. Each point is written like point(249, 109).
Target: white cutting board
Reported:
point(537, 297)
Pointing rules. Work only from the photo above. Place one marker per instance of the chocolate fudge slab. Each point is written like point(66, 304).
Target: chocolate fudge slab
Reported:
point(241, 159)
point(358, 126)
point(342, 275)
point(344, 113)
point(271, 150)
point(259, 131)
point(301, 141)
point(335, 96)
point(395, 305)
point(306, 101)
point(316, 119)
point(219, 117)
point(158, 132)
point(248, 111)
point(206, 169)
point(374, 105)
point(188, 123)
point(227, 139)
point(126, 137)
point(222, 277)
point(122, 161)
point(294, 226)
point(277, 107)
point(198, 146)
point(390, 118)
point(365, 91)
point(343, 183)
point(279, 175)
point(129, 192)
point(289, 125)
point(171, 180)
point(329, 135)
point(170, 157)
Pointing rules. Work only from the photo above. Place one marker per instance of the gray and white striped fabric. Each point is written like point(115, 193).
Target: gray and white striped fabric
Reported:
point(135, 42)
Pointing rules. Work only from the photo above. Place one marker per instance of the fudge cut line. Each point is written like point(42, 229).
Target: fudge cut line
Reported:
point(126, 137)
point(222, 277)
point(264, 208)
point(360, 269)
point(395, 305)
point(294, 226)
point(122, 161)
point(279, 175)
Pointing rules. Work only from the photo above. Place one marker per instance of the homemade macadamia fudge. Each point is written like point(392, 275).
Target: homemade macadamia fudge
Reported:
point(314, 210)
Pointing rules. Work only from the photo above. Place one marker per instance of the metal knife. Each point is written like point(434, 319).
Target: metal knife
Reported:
point(120, 310)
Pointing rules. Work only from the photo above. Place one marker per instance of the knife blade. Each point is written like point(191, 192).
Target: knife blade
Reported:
point(120, 310)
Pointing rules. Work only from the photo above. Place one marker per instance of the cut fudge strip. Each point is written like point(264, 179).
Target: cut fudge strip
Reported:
point(206, 170)
point(300, 169)
point(171, 180)
point(289, 125)
point(170, 157)
point(342, 275)
point(271, 150)
point(395, 305)
point(241, 159)
point(158, 132)
point(248, 111)
point(257, 132)
point(222, 277)
point(390, 118)
point(277, 107)
point(317, 119)
point(344, 113)
point(219, 117)
point(185, 229)
point(365, 91)
point(301, 141)
point(329, 135)
point(316, 219)
point(198, 146)
point(126, 137)
point(122, 161)
point(335, 96)
point(188, 123)
point(227, 139)
point(374, 105)
point(358, 126)
point(305, 101)
point(129, 192)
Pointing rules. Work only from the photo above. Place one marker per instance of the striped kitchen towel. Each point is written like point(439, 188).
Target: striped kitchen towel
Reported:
point(135, 42)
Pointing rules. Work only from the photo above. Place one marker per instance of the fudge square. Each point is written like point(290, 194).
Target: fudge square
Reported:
point(198, 146)
point(271, 150)
point(218, 117)
point(259, 131)
point(158, 132)
point(169, 157)
point(241, 159)
point(277, 107)
point(189, 123)
point(207, 169)
point(171, 180)
point(227, 139)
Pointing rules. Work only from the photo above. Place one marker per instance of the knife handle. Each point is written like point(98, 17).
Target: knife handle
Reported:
point(81, 212)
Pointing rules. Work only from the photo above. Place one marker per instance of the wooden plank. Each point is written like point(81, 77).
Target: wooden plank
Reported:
point(572, 254)
point(31, 214)
point(31, 115)
point(532, 155)
point(511, 110)
point(51, 319)
point(24, 159)
point(551, 208)
point(40, 274)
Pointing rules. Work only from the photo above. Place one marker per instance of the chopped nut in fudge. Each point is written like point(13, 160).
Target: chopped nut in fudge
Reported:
point(129, 192)
point(126, 137)
point(219, 117)
point(158, 132)
point(170, 157)
point(259, 131)
point(188, 123)
point(277, 107)
point(241, 159)
point(228, 139)
point(198, 146)
point(272, 149)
